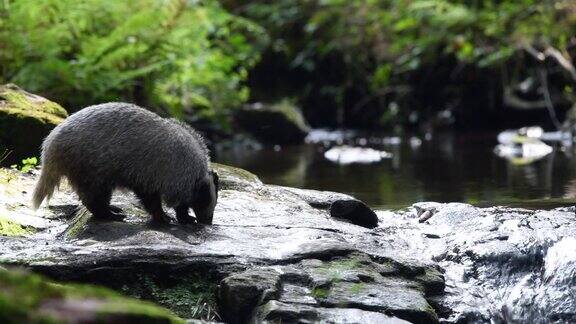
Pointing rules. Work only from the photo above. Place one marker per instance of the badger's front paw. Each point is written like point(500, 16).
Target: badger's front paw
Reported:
point(186, 219)
point(116, 210)
point(109, 216)
point(161, 219)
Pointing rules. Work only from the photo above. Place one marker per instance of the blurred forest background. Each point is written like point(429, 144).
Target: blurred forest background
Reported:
point(401, 73)
point(367, 64)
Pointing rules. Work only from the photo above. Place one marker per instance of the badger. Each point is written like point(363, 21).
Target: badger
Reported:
point(120, 145)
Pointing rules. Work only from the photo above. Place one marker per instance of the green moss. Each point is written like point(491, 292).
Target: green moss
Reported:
point(229, 171)
point(38, 116)
point(335, 270)
point(10, 228)
point(320, 292)
point(25, 120)
point(357, 288)
point(22, 296)
point(26, 104)
point(190, 297)
point(78, 223)
point(232, 178)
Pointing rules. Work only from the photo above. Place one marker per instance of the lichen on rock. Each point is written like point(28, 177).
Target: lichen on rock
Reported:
point(10, 228)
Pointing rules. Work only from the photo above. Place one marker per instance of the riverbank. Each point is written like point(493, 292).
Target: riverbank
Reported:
point(275, 253)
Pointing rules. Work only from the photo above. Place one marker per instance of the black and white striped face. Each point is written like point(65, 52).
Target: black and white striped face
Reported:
point(206, 198)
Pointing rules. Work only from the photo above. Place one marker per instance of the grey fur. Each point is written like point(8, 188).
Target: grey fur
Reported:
point(112, 145)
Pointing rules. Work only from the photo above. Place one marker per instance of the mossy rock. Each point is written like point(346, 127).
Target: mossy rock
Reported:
point(30, 298)
point(232, 178)
point(25, 119)
point(10, 228)
point(280, 123)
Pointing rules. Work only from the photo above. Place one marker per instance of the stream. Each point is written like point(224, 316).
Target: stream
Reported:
point(443, 167)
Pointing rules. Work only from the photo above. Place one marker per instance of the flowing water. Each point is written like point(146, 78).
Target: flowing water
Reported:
point(446, 167)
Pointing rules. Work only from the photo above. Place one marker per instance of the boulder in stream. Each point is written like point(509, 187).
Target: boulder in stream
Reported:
point(280, 123)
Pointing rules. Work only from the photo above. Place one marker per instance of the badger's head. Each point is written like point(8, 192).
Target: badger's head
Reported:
point(205, 198)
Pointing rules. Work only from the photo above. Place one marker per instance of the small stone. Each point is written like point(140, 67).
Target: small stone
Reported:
point(357, 212)
point(426, 215)
point(432, 235)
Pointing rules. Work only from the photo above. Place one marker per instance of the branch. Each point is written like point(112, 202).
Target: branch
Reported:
point(554, 54)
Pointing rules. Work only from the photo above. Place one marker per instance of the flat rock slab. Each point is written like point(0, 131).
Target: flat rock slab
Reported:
point(278, 255)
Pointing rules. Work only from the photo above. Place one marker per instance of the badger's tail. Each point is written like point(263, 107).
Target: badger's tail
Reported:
point(49, 180)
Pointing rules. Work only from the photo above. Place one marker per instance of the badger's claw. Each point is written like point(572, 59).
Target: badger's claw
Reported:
point(109, 216)
point(115, 210)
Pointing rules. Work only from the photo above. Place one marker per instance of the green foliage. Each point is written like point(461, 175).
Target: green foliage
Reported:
point(192, 58)
point(190, 297)
point(183, 56)
point(26, 165)
point(406, 33)
point(368, 50)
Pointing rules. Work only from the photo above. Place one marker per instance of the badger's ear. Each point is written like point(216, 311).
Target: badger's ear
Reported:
point(215, 179)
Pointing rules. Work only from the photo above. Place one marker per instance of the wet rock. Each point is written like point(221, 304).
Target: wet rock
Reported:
point(280, 123)
point(327, 291)
point(275, 312)
point(355, 211)
point(231, 178)
point(547, 296)
point(25, 119)
point(240, 293)
point(402, 299)
point(256, 228)
point(495, 261)
point(316, 199)
point(278, 255)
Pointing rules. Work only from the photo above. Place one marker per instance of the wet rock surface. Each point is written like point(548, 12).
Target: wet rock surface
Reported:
point(276, 254)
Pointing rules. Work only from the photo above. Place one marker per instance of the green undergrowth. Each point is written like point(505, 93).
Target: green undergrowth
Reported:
point(190, 297)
